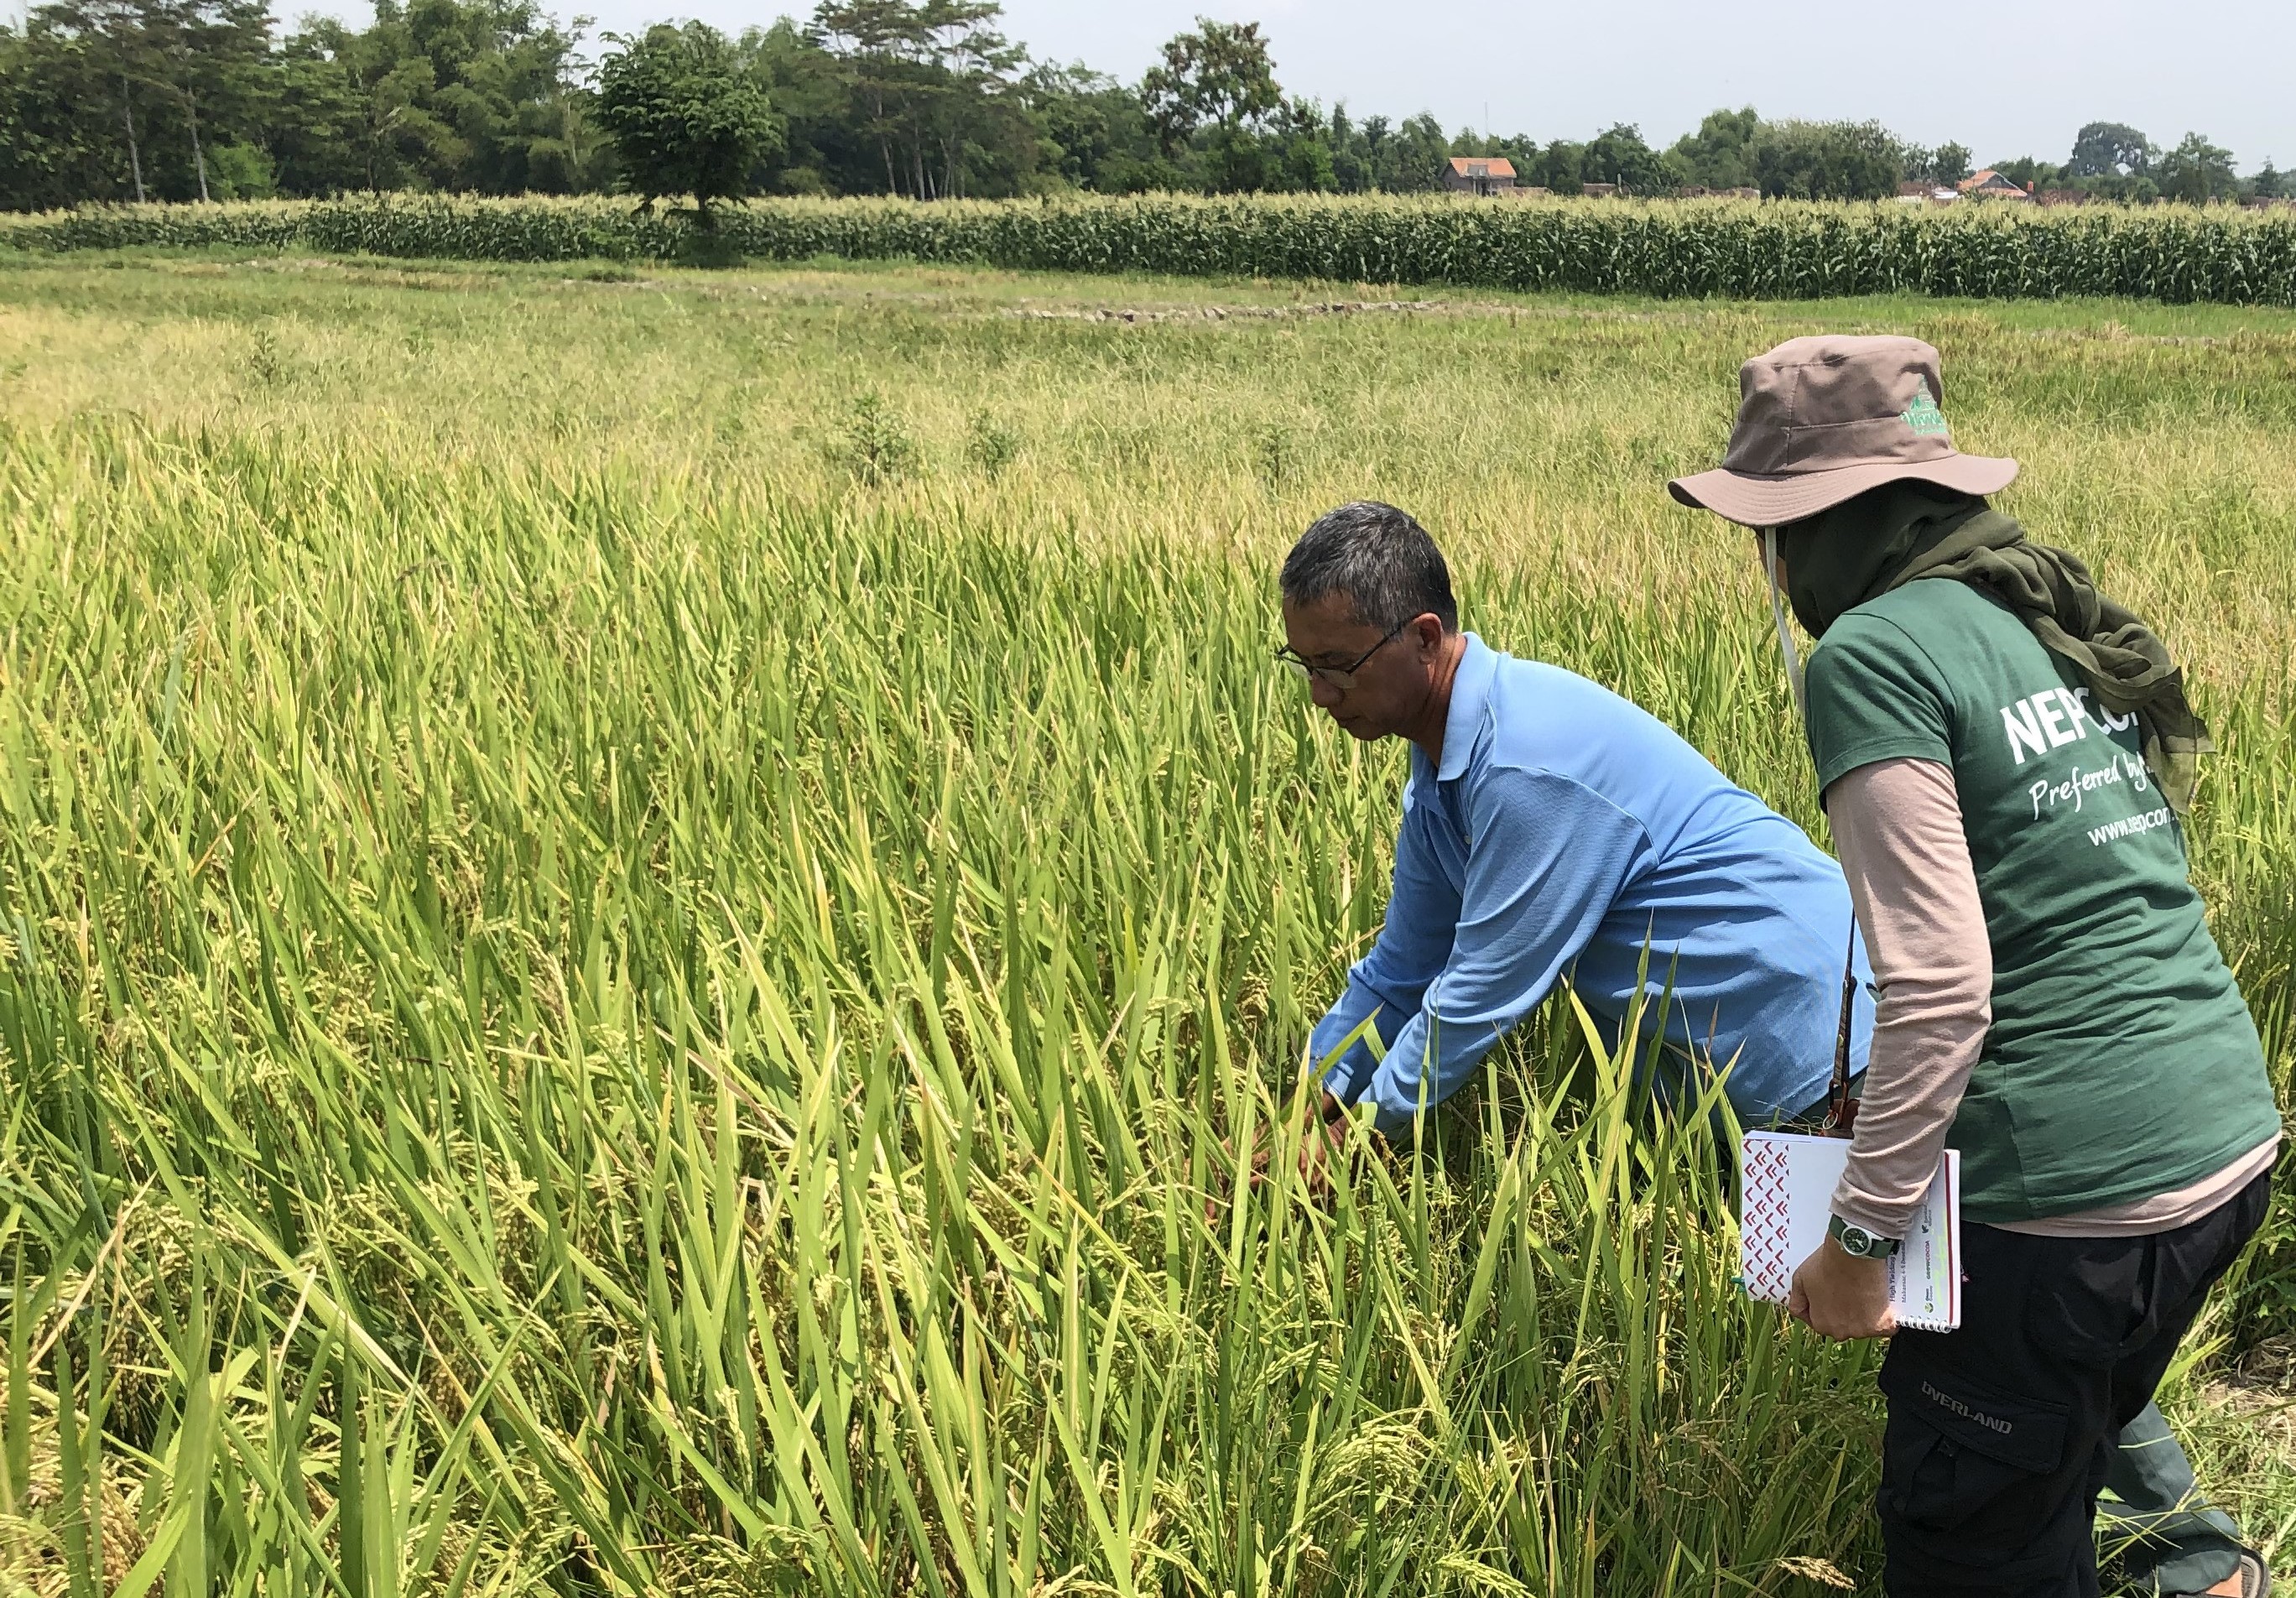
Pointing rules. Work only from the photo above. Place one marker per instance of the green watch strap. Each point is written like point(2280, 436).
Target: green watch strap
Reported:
point(1859, 1244)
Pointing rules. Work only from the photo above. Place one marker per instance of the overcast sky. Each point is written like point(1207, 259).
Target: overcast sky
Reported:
point(2007, 77)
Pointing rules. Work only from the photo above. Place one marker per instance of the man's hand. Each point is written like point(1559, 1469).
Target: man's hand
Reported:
point(1842, 1296)
point(1322, 1133)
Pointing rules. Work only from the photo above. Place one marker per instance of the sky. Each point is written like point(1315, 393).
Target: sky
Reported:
point(2007, 77)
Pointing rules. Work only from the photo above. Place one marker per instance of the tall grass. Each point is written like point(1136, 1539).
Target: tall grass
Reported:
point(1671, 248)
point(602, 1010)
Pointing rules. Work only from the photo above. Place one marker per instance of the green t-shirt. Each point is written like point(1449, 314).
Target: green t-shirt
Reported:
point(2122, 1062)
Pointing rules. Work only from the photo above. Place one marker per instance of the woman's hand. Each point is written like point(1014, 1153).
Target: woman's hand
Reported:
point(1843, 1296)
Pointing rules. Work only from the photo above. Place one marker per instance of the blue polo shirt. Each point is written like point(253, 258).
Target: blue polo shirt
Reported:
point(1567, 831)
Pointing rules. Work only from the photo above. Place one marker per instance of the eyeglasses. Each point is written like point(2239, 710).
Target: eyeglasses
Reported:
point(1335, 676)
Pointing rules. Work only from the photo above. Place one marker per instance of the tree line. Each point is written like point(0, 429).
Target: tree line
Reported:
point(188, 100)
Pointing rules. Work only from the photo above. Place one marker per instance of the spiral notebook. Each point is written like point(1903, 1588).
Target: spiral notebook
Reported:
point(1789, 1194)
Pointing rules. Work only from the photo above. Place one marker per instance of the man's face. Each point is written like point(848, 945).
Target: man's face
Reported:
point(1381, 696)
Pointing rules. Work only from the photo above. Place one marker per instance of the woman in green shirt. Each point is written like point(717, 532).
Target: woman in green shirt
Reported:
point(2005, 757)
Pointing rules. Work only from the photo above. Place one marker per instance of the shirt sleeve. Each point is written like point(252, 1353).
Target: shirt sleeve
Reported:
point(1422, 911)
point(1874, 695)
point(1899, 826)
point(1547, 858)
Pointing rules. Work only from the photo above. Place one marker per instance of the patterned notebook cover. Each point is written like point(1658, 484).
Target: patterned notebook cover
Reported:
point(1788, 1194)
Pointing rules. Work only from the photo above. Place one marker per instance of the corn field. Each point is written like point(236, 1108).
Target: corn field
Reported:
point(638, 922)
point(1696, 248)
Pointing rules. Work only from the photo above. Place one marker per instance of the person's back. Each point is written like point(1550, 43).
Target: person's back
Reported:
point(1714, 902)
point(2111, 1006)
point(2006, 755)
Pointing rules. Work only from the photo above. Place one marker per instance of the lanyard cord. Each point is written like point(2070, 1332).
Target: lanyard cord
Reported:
point(1779, 615)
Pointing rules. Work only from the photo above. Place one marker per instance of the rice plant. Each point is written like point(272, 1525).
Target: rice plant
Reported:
point(603, 1010)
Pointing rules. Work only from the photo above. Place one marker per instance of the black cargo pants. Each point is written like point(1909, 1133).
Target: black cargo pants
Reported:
point(2000, 1433)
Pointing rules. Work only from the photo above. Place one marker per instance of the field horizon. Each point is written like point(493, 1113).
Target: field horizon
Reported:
point(640, 903)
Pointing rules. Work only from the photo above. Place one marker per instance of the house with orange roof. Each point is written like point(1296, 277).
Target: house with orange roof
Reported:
point(1483, 174)
point(1990, 185)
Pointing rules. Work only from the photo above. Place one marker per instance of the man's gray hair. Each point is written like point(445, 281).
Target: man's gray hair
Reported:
point(1380, 558)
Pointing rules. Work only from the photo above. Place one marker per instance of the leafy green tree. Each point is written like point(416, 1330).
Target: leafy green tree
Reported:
point(2110, 150)
point(1826, 161)
point(1216, 90)
point(61, 141)
point(935, 87)
point(1720, 155)
point(1410, 160)
point(1562, 166)
point(1619, 157)
point(2270, 183)
point(451, 95)
point(685, 117)
point(2197, 172)
point(1947, 165)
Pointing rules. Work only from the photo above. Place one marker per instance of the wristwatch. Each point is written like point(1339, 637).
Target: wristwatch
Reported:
point(1859, 1244)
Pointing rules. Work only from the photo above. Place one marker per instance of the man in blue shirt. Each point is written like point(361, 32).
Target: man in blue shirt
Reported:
point(1552, 829)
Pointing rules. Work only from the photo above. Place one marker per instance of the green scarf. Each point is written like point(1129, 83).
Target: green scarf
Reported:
point(1862, 549)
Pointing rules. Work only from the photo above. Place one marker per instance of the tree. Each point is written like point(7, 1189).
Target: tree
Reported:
point(2110, 150)
point(2197, 172)
point(1412, 160)
point(934, 89)
point(2270, 183)
point(60, 141)
point(1949, 164)
point(1720, 155)
point(686, 119)
point(1219, 81)
point(1826, 161)
point(1619, 156)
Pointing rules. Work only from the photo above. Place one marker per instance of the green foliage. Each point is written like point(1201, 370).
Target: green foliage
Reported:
point(686, 117)
point(922, 96)
point(875, 444)
point(2197, 171)
point(1220, 76)
point(1665, 248)
point(1826, 161)
point(2110, 150)
point(989, 445)
point(1618, 157)
point(588, 1012)
point(1720, 155)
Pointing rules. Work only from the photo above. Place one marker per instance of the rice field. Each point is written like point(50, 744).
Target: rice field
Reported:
point(638, 908)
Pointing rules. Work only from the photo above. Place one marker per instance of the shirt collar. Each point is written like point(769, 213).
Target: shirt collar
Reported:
point(1471, 697)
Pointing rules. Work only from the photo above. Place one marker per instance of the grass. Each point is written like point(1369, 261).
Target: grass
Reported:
point(636, 905)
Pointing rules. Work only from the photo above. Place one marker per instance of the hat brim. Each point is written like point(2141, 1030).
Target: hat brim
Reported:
point(1768, 499)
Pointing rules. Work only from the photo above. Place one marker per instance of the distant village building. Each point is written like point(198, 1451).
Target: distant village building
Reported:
point(1925, 193)
point(2064, 197)
point(1598, 190)
point(1478, 175)
point(1990, 185)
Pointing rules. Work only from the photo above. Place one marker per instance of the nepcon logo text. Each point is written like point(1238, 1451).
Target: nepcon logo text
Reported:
point(2052, 718)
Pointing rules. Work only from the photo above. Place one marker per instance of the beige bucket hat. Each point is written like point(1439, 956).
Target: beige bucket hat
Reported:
point(1822, 420)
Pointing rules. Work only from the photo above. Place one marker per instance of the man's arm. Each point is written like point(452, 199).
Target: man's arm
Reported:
point(1422, 911)
point(1548, 857)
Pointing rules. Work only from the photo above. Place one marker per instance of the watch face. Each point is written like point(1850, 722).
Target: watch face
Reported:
point(1856, 1240)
